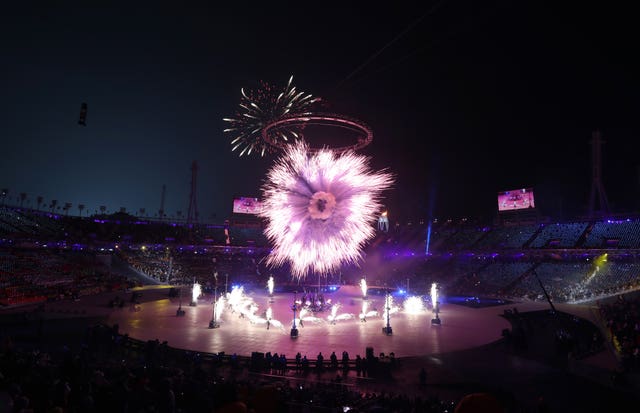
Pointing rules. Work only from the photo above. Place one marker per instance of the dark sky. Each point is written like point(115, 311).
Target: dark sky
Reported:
point(465, 98)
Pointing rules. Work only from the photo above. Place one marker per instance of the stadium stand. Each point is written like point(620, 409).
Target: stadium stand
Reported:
point(559, 235)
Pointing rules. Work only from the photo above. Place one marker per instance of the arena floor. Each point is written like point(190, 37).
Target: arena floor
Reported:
point(462, 355)
point(413, 335)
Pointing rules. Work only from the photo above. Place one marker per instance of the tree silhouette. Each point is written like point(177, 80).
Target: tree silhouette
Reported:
point(23, 197)
point(53, 204)
point(39, 201)
point(80, 208)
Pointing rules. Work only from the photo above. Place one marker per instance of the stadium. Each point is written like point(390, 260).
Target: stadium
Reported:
point(312, 207)
point(558, 296)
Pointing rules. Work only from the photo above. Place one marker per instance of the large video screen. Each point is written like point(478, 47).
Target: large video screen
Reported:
point(244, 205)
point(516, 199)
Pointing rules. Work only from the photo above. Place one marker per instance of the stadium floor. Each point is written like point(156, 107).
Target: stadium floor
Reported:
point(413, 335)
point(463, 355)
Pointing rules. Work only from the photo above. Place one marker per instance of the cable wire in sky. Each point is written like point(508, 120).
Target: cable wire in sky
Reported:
point(371, 58)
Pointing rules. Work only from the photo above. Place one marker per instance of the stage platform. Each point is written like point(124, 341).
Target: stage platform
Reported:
point(413, 334)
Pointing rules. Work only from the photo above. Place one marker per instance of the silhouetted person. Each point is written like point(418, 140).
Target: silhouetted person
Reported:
point(298, 361)
point(345, 360)
point(423, 376)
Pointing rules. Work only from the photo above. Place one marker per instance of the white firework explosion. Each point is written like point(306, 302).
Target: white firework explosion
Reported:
point(320, 208)
point(260, 107)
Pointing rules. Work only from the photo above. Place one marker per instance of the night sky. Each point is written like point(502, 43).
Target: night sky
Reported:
point(465, 99)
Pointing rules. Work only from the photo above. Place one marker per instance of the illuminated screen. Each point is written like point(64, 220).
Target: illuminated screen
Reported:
point(516, 199)
point(246, 205)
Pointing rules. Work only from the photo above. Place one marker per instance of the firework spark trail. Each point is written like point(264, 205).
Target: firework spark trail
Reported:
point(308, 318)
point(334, 316)
point(276, 323)
point(239, 302)
point(262, 106)
point(250, 314)
point(320, 208)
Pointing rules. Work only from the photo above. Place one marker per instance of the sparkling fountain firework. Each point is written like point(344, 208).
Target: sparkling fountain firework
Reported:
point(262, 106)
point(270, 285)
point(435, 305)
point(320, 208)
point(389, 306)
point(363, 313)
point(363, 287)
point(219, 307)
point(334, 312)
point(235, 296)
point(195, 293)
point(239, 302)
point(413, 305)
point(434, 295)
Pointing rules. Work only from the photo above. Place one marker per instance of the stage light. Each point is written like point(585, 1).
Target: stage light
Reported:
point(601, 260)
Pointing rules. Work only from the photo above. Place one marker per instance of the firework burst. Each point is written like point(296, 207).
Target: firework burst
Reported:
point(320, 208)
point(260, 107)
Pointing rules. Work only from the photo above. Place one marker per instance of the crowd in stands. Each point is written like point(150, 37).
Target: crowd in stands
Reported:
point(620, 234)
point(34, 275)
point(110, 372)
point(157, 264)
point(622, 318)
point(506, 238)
point(614, 279)
point(208, 266)
point(493, 279)
point(560, 235)
point(464, 258)
point(13, 221)
point(463, 239)
point(560, 280)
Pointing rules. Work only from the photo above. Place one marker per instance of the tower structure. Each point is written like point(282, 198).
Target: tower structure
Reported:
point(598, 202)
point(192, 214)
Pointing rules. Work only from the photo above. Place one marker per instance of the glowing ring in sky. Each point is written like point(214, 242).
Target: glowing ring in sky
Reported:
point(363, 131)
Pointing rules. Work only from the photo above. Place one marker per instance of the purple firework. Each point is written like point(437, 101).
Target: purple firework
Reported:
point(320, 208)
